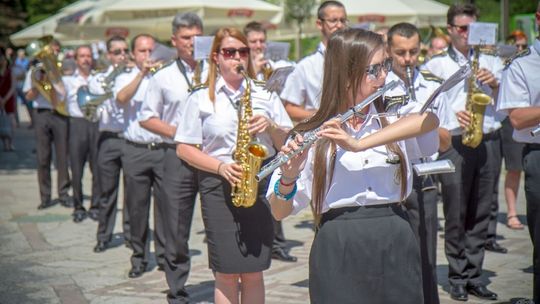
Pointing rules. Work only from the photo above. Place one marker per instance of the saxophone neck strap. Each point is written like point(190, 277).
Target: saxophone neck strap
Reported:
point(182, 69)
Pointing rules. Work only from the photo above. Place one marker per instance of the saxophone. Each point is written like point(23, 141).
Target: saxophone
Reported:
point(476, 106)
point(249, 154)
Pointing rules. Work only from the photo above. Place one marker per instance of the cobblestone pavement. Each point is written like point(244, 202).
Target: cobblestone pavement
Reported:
point(46, 258)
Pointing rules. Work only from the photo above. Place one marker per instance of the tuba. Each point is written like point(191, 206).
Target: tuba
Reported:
point(88, 102)
point(249, 153)
point(46, 73)
point(476, 106)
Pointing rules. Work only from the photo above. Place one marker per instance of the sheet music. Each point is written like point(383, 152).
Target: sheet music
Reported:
point(482, 33)
point(202, 46)
point(457, 77)
point(434, 167)
point(276, 82)
point(277, 51)
point(163, 53)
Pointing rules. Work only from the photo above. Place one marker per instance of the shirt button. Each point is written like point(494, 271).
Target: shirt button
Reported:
point(369, 188)
point(366, 161)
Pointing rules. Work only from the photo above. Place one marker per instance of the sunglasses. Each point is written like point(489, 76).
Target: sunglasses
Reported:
point(229, 53)
point(119, 51)
point(461, 28)
point(373, 71)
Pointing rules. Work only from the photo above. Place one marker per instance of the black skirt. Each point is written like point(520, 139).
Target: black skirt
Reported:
point(365, 255)
point(239, 239)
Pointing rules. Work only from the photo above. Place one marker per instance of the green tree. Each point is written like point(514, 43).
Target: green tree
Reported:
point(298, 11)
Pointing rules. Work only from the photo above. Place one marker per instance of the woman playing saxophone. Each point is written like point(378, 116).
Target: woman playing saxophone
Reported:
point(239, 239)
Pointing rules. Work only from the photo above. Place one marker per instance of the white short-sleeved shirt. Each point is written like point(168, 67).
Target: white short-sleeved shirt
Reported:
point(111, 117)
point(520, 88)
point(214, 125)
point(423, 89)
point(360, 178)
point(167, 94)
point(72, 83)
point(133, 131)
point(39, 102)
point(444, 66)
point(303, 86)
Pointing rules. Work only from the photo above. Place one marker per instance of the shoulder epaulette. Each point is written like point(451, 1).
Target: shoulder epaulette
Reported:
point(522, 53)
point(198, 87)
point(439, 54)
point(488, 51)
point(164, 65)
point(259, 83)
point(430, 77)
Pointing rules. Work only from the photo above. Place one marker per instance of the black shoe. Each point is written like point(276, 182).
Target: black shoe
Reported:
point(93, 213)
point(127, 243)
point(458, 293)
point(161, 268)
point(482, 292)
point(495, 247)
point(66, 201)
point(46, 204)
point(79, 215)
point(280, 254)
point(136, 271)
point(100, 247)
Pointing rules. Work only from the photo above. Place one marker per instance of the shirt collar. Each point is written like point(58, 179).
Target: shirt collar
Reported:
point(536, 45)
point(321, 48)
point(222, 86)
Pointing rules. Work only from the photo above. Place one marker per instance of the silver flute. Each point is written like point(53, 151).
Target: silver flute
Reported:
point(410, 85)
point(311, 137)
point(535, 131)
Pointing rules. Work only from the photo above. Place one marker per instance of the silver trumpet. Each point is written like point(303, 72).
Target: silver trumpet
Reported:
point(311, 137)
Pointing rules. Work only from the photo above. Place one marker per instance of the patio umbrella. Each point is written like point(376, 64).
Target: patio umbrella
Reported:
point(131, 17)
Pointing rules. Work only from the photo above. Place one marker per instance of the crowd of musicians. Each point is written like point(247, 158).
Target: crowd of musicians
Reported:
point(173, 129)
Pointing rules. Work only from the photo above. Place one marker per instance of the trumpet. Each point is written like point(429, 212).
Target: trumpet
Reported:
point(311, 137)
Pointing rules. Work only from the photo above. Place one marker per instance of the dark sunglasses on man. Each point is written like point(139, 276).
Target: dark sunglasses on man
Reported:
point(119, 51)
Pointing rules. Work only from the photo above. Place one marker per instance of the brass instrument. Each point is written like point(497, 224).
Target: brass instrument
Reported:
point(46, 74)
point(249, 153)
point(410, 83)
point(88, 102)
point(476, 106)
point(197, 73)
point(267, 71)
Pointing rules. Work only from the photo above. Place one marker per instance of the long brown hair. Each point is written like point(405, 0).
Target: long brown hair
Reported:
point(348, 54)
point(221, 34)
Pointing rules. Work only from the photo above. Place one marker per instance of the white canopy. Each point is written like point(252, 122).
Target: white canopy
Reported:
point(48, 25)
point(131, 17)
point(421, 13)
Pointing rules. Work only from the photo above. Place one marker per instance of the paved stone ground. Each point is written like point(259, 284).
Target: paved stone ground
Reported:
point(46, 258)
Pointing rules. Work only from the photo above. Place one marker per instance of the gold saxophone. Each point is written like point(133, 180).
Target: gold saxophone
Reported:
point(249, 153)
point(267, 71)
point(476, 106)
point(47, 72)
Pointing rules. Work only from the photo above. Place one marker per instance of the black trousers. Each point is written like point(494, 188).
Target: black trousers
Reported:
point(180, 187)
point(109, 165)
point(494, 212)
point(531, 168)
point(467, 198)
point(51, 130)
point(421, 208)
point(83, 146)
point(143, 171)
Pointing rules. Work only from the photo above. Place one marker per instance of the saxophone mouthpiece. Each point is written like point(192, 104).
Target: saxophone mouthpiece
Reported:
point(240, 69)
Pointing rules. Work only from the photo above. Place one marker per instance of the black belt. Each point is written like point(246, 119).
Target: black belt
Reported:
point(42, 110)
point(532, 146)
point(109, 134)
point(152, 146)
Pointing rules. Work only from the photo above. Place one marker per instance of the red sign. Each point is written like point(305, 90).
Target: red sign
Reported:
point(371, 18)
point(117, 31)
point(240, 12)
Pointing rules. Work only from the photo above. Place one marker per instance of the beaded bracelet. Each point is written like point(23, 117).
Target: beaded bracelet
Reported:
point(219, 167)
point(283, 196)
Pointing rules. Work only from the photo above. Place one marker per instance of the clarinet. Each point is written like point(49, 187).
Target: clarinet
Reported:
point(311, 137)
point(410, 84)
